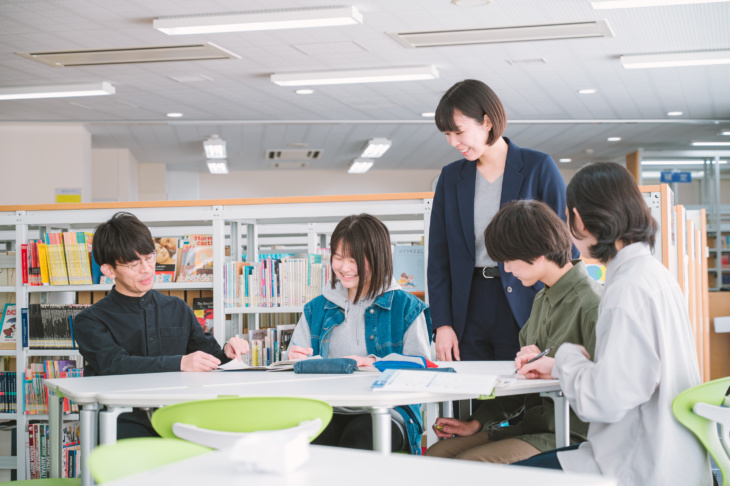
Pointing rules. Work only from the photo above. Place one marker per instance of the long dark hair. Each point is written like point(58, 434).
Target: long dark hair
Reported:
point(612, 208)
point(365, 239)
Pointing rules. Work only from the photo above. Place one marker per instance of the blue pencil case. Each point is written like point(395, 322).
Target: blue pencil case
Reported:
point(396, 361)
point(326, 366)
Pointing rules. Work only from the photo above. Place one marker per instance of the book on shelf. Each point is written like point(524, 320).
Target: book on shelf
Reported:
point(50, 326)
point(37, 446)
point(8, 393)
point(434, 381)
point(9, 327)
point(197, 240)
point(203, 310)
point(284, 333)
point(409, 267)
point(195, 264)
point(36, 393)
point(166, 259)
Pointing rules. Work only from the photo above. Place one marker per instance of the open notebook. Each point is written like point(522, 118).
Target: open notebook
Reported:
point(287, 365)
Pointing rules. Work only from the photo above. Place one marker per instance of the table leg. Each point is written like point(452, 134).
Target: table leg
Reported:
point(432, 413)
point(381, 429)
point(447, 409)
point(87, 418)
point(464, 409)
point(562, 418)
point(55, 436)
point(108, 423)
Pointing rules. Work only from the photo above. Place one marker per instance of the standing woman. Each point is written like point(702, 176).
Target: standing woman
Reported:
point(477, 308)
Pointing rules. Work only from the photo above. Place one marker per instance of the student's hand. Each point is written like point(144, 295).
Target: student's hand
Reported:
point(199, 361)
point(362, 361)
point(542, 368)
point(529, 349)
point(446, 427)
point(583, 350)
point(446, 344)
point(298, 352)
point(235, 347)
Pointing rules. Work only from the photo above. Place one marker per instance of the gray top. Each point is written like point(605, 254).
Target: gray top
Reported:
point(486, 204)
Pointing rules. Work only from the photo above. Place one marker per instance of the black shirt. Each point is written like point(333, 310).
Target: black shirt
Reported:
point(149, 334)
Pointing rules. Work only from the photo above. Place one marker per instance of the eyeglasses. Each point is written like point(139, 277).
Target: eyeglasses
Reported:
point(149, 259)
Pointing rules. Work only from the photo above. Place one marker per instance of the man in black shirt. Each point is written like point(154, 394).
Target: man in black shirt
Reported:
point(135, 329)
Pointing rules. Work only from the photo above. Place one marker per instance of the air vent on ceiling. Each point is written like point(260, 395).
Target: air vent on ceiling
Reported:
point(192, 52)
point(289, 165)
point(293, 154)
point(522, 33)
point(526, 61)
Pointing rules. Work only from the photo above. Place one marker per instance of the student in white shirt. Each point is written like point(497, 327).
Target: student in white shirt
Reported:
point(645, 354)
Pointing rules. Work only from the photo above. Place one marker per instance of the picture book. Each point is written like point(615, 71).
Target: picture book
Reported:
point(195, 264)
point(166, 260)
point(409, 267)
point(9, 327)
point(203, 310)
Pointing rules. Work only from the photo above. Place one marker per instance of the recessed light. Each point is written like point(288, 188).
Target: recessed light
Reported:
point(381, 75)
point(565, 160)
point(587, 91)
point(360, 166)
point(614, 139)
point(710, 144)
point(470, 3)
point(174, 115)
point(725, 132)
point(428, 115)
point(675, 59)
point(57, 91)
point(647, 3)
point(304, 91)
point(674, 113)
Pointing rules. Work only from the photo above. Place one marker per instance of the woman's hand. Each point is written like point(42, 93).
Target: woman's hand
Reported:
point(235, 347)
point(447, 344)
point(362, 361)
point(446, 427)
point(298, 352)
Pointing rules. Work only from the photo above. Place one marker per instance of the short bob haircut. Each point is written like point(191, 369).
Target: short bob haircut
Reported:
point(474, 99)
point(122, 239)
point(526, 230)
point(365, 239)
point(612, 209)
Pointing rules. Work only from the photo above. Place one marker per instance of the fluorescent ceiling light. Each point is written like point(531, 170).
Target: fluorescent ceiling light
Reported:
point(57, 91)
point(674, 113)
point(710, 144)
point(586, 91)
point(217, 166)
point(262, 20)
point(417, 73)
point(174, 115)
point(519, 33)
point(647, 3)
point(678, 162)
point(304, 91)
point(429, 114)
point(725, 132)
point(470, 3)
point(679, 59)
point(360, 166)
point(614, 139)
point(215, 147)
point(565, 160)
point(375, 148)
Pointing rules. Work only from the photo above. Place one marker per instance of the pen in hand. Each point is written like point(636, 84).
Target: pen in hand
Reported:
point(537, 357)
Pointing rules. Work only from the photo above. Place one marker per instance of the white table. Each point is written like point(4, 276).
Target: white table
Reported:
point(331, 466)
point(121, 392)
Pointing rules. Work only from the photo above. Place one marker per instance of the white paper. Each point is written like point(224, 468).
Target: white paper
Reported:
point(435, 381)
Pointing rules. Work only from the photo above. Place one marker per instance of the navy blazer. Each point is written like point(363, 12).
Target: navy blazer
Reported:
point(528, 174)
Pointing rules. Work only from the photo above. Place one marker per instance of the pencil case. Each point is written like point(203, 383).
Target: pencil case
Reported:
point(326, 366)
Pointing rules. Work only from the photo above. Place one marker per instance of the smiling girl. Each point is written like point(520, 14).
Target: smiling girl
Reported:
point(365, 315)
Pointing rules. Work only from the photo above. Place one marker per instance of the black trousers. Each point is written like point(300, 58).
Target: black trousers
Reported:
point(356, 432)
point(491, 332)
point(135, 424)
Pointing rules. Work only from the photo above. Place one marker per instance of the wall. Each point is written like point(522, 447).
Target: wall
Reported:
point(114, 175)
point(277, 183)
point(42, 158)
point(152, 182)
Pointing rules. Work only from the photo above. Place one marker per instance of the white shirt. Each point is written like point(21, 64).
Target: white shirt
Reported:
point(645, 356)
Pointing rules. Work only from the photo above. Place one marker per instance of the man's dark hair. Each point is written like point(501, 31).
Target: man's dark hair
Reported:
point(122, 239)
point(526, 230)
point(364, 238)
point(473, 99)
point(612, 208)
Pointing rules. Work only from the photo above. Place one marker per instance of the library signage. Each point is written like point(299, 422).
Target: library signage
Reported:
point(676, 176)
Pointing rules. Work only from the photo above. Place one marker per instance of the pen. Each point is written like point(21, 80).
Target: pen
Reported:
point(538, 357)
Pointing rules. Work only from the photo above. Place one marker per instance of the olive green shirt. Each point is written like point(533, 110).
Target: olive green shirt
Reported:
point(564, 313)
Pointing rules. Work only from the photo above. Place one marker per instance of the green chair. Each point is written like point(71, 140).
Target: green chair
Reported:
point(131, 456)
point(701, 410)
point(242, 414)
point(49, 482)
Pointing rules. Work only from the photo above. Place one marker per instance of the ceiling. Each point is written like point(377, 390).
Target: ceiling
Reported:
point(538, 82)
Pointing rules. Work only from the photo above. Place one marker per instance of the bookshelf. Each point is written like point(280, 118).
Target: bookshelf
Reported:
point(247, 226)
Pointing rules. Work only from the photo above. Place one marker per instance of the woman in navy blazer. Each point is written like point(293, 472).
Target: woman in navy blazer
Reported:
point(478, 312)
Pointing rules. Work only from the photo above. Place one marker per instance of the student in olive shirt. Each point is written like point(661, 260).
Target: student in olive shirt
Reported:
point(534, 245)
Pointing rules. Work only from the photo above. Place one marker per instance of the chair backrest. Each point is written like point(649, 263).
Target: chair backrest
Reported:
point(242, 414)
point(701, 410)
point(132, 456)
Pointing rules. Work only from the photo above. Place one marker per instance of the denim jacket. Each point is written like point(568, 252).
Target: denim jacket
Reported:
point(386, 322)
